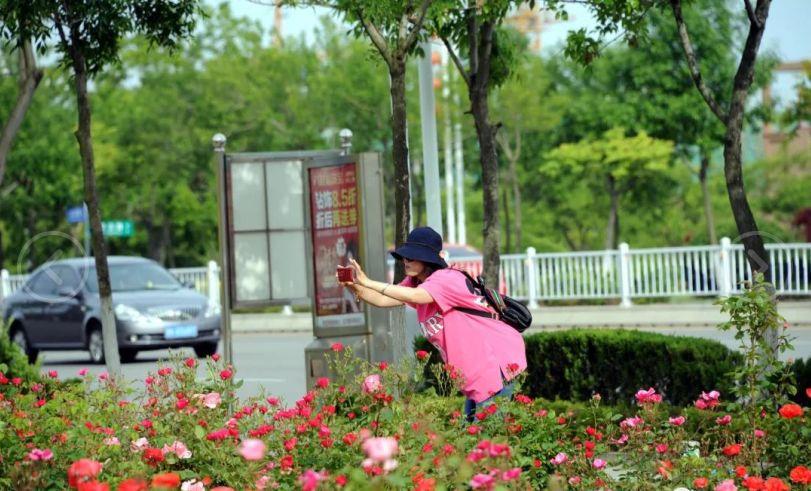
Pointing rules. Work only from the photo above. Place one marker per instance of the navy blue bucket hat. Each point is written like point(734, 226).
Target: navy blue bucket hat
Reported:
point(422, 244)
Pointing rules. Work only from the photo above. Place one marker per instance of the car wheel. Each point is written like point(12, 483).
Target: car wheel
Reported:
point(19, 338)
point(95, 345)
point(127, 354)
point(205, 349)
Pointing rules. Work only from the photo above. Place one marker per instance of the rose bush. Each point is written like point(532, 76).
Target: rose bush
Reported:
point(371, 428)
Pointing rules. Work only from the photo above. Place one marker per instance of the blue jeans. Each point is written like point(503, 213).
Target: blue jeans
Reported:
point(470, 404)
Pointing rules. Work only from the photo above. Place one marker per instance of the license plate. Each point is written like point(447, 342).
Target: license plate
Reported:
point(184, 331)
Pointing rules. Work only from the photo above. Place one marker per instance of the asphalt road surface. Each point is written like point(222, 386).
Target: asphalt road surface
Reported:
point(275, 362)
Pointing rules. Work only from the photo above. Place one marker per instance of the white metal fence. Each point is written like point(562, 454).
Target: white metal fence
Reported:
point(625, 274)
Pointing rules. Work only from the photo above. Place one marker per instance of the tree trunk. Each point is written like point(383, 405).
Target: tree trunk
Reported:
point(513, 155)
point(402, 194)
point(612, 228)
point(83, 136)
point(507, 232)
point(516, 203)
point(168, 251)
point(478, 90)
point(31, 225)
point(733, 171)
point(705, 193)
point(30, 76)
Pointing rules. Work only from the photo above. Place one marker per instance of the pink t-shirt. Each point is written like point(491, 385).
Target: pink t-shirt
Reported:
point(481, 349)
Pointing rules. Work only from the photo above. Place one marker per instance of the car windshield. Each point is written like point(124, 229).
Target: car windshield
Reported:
point(134, 277)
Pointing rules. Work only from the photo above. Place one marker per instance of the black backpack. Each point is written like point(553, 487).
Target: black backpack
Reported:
point(510, 311)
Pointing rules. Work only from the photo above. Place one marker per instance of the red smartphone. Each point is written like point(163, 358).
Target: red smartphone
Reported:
point(345, 274)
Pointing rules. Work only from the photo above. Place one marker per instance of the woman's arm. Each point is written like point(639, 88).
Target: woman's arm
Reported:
point(374, 298)
point(396, 292)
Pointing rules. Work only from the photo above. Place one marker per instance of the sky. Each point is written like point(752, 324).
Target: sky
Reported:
point(787, 31)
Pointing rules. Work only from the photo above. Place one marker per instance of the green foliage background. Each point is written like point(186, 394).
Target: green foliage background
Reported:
point(155, 113)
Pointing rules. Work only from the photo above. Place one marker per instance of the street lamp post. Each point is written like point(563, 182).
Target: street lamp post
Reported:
point(218, 142)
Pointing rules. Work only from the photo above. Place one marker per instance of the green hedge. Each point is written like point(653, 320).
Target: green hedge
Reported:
point(13, 362)
point(574, 364)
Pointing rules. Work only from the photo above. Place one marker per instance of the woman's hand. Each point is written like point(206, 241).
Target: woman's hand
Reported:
point(360, 276)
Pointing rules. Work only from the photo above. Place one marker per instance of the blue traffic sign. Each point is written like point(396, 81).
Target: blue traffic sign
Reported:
point(76, 214)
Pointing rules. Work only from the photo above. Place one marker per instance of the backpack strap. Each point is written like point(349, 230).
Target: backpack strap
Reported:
point(477, 312)
point(480, 313)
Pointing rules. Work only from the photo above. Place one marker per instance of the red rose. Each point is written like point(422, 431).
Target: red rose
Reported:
point(790, 411)
point(226, 374)
point(166, 480)
point(133, 485)
point(341, 480)
point(732, 450)
point(740, 471)
point(422, 355)
point(753, 483)
point(53, 373)
point(215, 357)
point(322, 383)
point(153, 456)
point(775, 484)
point(190, 362)
point(801, 475)
point(93, 486)
point(382, 366)
point(82, 470)
point(808, 392)
point(700, 482)
point(337, 347)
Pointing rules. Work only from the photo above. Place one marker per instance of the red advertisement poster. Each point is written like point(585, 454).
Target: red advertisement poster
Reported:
point(335, 219)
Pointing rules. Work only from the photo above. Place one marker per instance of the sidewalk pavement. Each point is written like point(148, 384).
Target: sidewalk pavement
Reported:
point(682, 315)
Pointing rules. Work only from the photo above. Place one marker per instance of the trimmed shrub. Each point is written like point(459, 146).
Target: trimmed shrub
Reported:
point(574, 364)
point(13, 362)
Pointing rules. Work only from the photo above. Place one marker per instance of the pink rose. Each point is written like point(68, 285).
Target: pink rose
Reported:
point(725, 420)
point(511, 474)
point(212, 400)
point(634, 422)
point(37, 454)
point(380, 449)
point(727, 485)
point(192, 485)
point(648, 396)
point(310, 479)
point(760, 433)
point(598, 464)
point(482, 481)
point(112, 441)
point(661, 448)
point(559, 459)
point(372, 384)
point(178, 448)
point(252, 449)
point(83, 372)
point(677, 421)
point(139, 444)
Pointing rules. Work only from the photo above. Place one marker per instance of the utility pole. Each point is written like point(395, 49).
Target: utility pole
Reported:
point(448, 144)
point(430, 154)
point(460, 176)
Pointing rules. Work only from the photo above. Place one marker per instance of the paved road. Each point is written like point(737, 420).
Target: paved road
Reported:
point(275, 362)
